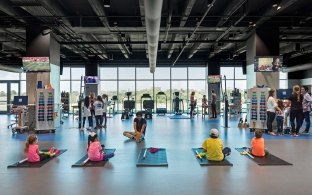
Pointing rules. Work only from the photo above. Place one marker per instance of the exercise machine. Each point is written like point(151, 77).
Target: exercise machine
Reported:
point(20, 108)
point(128, 106)
point(177, 104)
point(113, 104)
point(147, 103)
point(161, 110)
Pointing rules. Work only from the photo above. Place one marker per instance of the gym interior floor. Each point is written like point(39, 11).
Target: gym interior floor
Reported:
point(183, 175)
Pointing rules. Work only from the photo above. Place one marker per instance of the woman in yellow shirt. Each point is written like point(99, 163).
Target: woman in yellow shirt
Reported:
point(213, 147)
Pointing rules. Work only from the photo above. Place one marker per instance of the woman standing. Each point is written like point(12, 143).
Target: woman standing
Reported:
point(296, 111)
point(271, 108)
point(192, 103)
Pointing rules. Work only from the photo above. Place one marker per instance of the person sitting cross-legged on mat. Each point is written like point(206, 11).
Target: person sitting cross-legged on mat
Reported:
point(96, 150)
point(257, 144)
point(32, 152)
point(139, 126)
point(213, 147)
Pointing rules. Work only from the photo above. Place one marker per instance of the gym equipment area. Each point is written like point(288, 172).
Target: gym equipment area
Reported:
point(177, 104)
point(128, 106)
point(147, 106)
point(161, 110)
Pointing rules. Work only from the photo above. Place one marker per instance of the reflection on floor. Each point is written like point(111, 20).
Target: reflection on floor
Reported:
point(183, 175)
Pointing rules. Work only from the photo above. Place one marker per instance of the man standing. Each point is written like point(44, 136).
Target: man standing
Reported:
point(213, 104)
point(306, 106)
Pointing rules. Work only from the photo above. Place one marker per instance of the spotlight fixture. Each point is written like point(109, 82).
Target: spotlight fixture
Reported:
point(106, 3)
point(278, 7)
point(274, 3)
point(209, 3)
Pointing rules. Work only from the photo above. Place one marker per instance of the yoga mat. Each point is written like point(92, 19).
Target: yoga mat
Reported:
point(206, 162)
point(267, 160)
point(152, 159)
point(89, 163)
point(179, 116)
point(27, 164)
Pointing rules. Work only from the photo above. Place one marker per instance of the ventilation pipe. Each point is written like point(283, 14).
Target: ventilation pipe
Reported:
point(298, 68)
point(152, 20)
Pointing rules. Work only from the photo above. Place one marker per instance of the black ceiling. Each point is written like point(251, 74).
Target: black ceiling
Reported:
point(78, 23)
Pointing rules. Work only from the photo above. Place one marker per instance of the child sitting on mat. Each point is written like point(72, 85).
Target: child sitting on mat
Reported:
point(139, 125)
point(32, 150)
point(96, 150)
point(257, 144)
point(213, 147)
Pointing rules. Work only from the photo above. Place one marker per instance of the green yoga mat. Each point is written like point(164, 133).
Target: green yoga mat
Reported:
point(152, 159)
point(27, 164)
point(89, 163)
point(206, 162)
point(268, 160)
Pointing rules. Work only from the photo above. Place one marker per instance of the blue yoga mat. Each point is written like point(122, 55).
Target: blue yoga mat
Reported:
point(179, 116)
point(206, 162)
point(79, 163)
point(266, 160)
point(27, 164)
point(152, 159)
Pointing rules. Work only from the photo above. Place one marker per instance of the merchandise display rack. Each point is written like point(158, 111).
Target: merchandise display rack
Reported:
point(45, 110)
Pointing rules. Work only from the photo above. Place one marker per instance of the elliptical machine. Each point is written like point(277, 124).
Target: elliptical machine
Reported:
point(177, 104)
point(148, 105)
point(128, 106)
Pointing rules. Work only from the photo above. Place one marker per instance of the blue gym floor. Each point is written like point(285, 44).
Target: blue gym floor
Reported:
point(183, 175)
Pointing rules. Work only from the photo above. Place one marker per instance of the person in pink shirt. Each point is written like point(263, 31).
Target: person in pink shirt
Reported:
point(32, 152)
point(96, 150)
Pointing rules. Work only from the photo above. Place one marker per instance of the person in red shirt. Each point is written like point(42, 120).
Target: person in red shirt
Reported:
point(257, 144)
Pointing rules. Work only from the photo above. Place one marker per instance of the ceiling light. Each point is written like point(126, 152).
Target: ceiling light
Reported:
point(209, 3)
point(274, 3)
point(106, 3)
point(278, 7)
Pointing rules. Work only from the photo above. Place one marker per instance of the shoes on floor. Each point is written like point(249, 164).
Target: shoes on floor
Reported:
point(272, 133)
point(57, 152)
point(51, 151)
point(306, 132)
point(81, 129)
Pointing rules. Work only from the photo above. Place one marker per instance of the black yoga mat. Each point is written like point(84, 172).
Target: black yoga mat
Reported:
point(26, 164)
point(206, 162)
point(89, 163)
point(267, 160)
point(152, 159)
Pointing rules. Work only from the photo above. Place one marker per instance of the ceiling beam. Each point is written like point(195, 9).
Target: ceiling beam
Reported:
point(99, 10)
point(185, 14)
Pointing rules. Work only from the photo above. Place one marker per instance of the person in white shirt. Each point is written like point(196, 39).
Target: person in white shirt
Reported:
point(271, 109)
point(306, 106)
point(98, 110)
point(105, 104)
point(86, 113)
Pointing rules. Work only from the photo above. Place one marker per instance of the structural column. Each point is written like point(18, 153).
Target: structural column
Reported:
point(92, 69)
point(263, 42)
point(40, 43)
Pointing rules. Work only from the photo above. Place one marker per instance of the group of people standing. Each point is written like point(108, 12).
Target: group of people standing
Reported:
point(205, 106)
point(95, 107)
point(299, 110)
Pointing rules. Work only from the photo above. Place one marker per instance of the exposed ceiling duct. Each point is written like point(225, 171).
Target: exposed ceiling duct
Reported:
point(10, 69)
point(152, 21)
point(307, 66)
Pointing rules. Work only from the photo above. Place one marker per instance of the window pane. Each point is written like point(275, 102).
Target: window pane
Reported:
point(109, 88)
point(179, 73)
point(141, 88)
point(23, 76)
point(241, 84)
point(199, 87)
point(239, 73)
point(74, 95)
point(144, 73)
point(66, 74)
point(4, 75)
point(162, 73)
point(283, 75)
point(229, 86)
point(126, 73)
point(23, 88)
point(181, 86)
point(283, 84)
point(228, 72)
point(76, 73)
point(108, 73)
point(197, 73)
point(125, 86)
point(163, 86)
